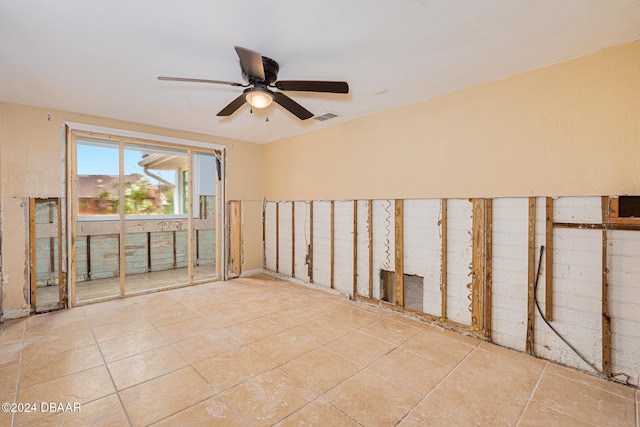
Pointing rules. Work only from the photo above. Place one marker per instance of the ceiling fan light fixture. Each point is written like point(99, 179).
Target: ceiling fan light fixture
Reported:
point(259, 97)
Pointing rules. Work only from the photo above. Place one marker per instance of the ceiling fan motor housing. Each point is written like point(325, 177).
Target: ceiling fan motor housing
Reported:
point(271, 69)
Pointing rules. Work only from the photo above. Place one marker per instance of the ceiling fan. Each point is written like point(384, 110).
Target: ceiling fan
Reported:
point(261, 74)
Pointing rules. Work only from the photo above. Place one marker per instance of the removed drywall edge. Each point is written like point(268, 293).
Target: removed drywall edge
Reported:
point(16, 314)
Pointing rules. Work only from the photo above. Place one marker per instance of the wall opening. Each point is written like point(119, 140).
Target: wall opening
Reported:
point(413, 289)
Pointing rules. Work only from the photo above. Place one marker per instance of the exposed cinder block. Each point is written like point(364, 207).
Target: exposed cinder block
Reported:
point(302, 224)
point(578, 210)
point(285, 238)
point(322, 243)
point(363, 248)
point(459, 259)
point(270, 236)
point(343, 246)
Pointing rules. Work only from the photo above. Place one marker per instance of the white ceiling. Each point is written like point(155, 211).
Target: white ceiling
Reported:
point(102, 58)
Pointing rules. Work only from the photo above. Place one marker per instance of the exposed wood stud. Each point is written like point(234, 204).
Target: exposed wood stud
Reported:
point(370, 231)
point(310, 250)
point(293, 239)
point(606, 318)
point(548, 281)
point(443, 285)
point(72, 194)
point(332, 244)
point(355, 248)
point(62, 282)
point(235, 238)
point(122, 230)
point(175, 251)
point(197, 246)
point(32, 252)
point(148, 251)
point(399, 252)
point(531, 275)
point(488, 268)
point(477, 270)
point(88, 244)
point(610, 226)
point(606, 213)
point(52, 241)
point(277, 237)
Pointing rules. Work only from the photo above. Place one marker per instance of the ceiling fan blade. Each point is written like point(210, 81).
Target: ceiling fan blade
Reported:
point(313, 86)
point(251, 62)
point(293, 107)
point(184, 79)
point(232, 107)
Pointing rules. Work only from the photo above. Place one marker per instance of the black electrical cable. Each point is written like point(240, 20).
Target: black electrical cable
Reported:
point(535, 299)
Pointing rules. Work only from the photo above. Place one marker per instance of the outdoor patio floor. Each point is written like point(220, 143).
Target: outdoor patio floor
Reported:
point(261, 351)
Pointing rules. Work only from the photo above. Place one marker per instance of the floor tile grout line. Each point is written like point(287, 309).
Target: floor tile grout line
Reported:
point(531, 394)
point(589, 375)
point(15, 396)
point(115, 387)
point(438, 384)
point(638, 407)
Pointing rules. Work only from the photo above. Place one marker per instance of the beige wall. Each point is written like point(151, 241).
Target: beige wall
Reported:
point(31, 165)
point(567, 129)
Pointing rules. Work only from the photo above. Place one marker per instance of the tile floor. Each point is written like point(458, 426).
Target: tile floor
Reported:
point(260, 351)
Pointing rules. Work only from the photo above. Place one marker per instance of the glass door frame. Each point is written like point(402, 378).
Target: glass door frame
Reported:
point(120, 138)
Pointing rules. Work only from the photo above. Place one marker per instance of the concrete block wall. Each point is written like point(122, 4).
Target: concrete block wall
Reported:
point(383, 241)
point(302, 236)
point(423, 249)
point(459, 257)
point(322, 242)
point(285, 233)
point(363, 248)
point(577, 255)
point(510, 275)
point(624, 301)
point(270, 236)
point(343, 246)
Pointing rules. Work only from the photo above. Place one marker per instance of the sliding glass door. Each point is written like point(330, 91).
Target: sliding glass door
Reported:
point(145, 216)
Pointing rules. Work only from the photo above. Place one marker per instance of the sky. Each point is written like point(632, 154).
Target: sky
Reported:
point(98, 160)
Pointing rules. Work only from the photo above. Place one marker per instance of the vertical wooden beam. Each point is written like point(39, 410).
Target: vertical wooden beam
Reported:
point(332, 244)
point(148, 251)
point(72, 189)
point(175, 251)
point(443, 268)
point(62, 283)
point(399, 252)
point(477, 269)
point(355, 248)
point(235, 238)
point(32, 252)
point(488, 267)
point(531, 276)
point(87, 240)
point(122, 229)
point(370, 231)
point(52, 242)
point(293, 239)
point(310, 249)
point(277, 237)
point(606, 318)
point(548, 280)
point(190, 222)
